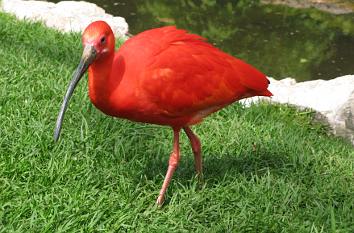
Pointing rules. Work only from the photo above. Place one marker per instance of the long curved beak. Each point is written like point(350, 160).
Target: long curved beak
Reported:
point(87, 58)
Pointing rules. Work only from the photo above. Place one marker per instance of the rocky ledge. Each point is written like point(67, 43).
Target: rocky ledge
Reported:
point(67, 16)
point(333, 100)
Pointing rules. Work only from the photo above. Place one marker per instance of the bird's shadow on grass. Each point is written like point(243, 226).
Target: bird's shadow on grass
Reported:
point(216, 167)
point(250, 161)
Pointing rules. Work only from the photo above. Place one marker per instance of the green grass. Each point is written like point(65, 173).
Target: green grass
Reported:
point(267, 168)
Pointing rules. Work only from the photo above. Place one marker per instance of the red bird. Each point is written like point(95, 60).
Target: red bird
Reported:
point(163, 76)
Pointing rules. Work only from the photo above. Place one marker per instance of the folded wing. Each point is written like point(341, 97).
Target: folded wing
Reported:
point(187, 75)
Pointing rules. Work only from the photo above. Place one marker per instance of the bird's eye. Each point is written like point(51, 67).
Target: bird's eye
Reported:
point(103, 39)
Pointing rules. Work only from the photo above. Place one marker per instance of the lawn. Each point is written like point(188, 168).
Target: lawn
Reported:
point(267, 168)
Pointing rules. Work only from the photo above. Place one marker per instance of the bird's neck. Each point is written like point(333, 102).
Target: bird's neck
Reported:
point(100, 83)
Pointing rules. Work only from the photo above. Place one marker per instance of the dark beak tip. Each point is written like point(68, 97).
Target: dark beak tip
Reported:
point(56, 134)
point(56, 138)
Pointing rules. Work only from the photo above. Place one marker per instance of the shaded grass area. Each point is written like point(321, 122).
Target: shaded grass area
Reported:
point(268, 168)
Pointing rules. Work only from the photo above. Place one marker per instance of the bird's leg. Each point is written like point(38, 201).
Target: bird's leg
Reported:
point(172, 165)
point(196, 147)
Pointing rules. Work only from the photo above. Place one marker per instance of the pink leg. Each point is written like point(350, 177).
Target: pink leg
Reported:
point(172, 165)
point(196, 147)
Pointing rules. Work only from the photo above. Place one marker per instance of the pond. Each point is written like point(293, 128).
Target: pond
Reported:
point(281, 41)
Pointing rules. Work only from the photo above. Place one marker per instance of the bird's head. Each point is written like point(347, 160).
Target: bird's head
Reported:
point(98, 43)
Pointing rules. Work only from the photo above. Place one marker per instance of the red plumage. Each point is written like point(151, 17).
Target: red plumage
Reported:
point(175, 78)
point(163, 76)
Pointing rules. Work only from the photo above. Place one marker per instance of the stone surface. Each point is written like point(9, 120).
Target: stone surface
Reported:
point(67, 16)
point(333, 99)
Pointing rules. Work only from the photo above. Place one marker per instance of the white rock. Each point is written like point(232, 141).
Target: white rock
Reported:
point(67, 16)
point(333, 99)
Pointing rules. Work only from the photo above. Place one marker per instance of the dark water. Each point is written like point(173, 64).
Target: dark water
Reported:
point(281, 41)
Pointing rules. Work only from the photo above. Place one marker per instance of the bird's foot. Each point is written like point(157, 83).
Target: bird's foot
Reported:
point(160, 200)
point(199, 175)
point(200, 180)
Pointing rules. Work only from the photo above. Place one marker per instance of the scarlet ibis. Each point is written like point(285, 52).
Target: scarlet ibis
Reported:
point(163, 76)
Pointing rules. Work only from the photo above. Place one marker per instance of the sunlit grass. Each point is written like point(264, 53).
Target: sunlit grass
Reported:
point(267, 168)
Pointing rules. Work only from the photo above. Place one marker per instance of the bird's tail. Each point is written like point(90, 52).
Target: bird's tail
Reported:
point(265, 93)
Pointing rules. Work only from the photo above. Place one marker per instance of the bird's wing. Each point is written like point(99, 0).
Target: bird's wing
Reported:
point(189, 75)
